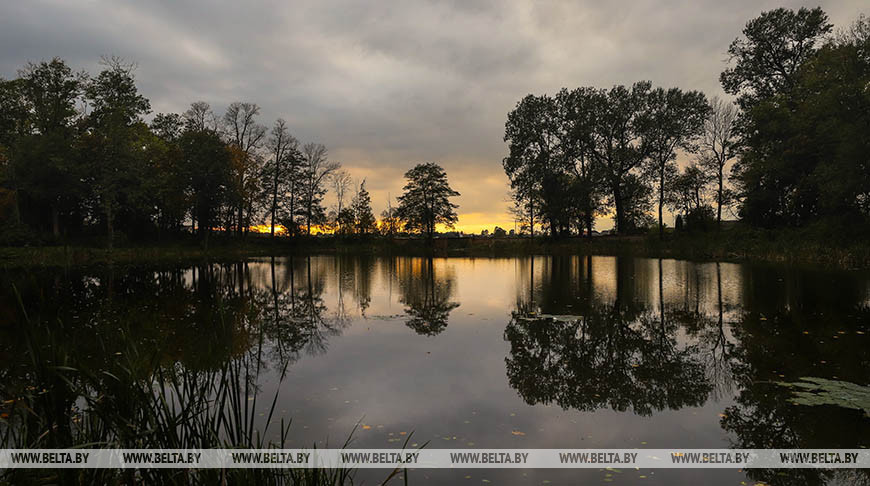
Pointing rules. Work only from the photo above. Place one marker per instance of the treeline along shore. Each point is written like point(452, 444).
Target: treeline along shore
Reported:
point(779, 171)
point(736, 244)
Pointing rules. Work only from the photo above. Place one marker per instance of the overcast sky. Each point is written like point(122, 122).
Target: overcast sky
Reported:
point(386, 85)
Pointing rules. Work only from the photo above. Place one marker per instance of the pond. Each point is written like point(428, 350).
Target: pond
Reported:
point(533, 352)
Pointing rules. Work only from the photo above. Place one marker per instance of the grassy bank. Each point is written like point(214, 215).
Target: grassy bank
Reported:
point(734, 244)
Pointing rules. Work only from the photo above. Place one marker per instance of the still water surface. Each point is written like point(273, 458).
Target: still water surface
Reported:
point(536, 352)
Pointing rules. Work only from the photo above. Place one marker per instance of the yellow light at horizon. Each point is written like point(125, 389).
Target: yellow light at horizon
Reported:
point(265, 228)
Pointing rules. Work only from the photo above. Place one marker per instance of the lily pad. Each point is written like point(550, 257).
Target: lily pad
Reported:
point(812, 391)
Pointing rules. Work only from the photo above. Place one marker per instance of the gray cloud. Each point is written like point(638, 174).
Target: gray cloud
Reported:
point(388, 84)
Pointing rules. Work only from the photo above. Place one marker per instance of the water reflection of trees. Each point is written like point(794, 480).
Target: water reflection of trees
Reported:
point(295, 314)
point(154, 358)
point(590, 333)
point(425, 293)
point(570, 347)
point(794, 324)
point(199, 318)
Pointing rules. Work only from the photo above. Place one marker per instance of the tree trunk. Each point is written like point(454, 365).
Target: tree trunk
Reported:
point(274, 198)
point(661, 201)
point(617, 201)
point(16, 209)
point(532, 218)
point(719, 202)
point(110, 227)
point(55, 221)
point(292, 228)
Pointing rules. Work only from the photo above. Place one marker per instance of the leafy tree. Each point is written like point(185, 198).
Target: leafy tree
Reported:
point(578, 112)
point(207, 164)
point(618, 133)
point(345, 221)
point(426, 200)
point(773, 48)
point(45, 167)
point(674, 120)
point(804, 148)
point(117, 108)
point(14, 125)
point(534, 164)
point(169, 183)
point(690, 189)
point(364, 219)
point(167, 126)
point(636, 204)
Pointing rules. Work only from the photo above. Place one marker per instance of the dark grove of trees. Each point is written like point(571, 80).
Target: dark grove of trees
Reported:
point(793, 151)
point(78, 161)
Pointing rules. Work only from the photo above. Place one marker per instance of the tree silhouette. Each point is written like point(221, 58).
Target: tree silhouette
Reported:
point(426, 200)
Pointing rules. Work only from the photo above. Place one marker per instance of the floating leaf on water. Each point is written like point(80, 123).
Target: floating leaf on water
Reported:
point(813, 391)
point(517, 432)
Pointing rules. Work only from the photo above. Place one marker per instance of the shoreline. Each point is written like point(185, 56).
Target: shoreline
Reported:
point(755, 246)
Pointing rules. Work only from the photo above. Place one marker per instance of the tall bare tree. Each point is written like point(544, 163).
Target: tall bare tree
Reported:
point(316, 171)
point(199, 117)
point(245, 137)
point(718, 146)
point(341, 183)
point(282, 148)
